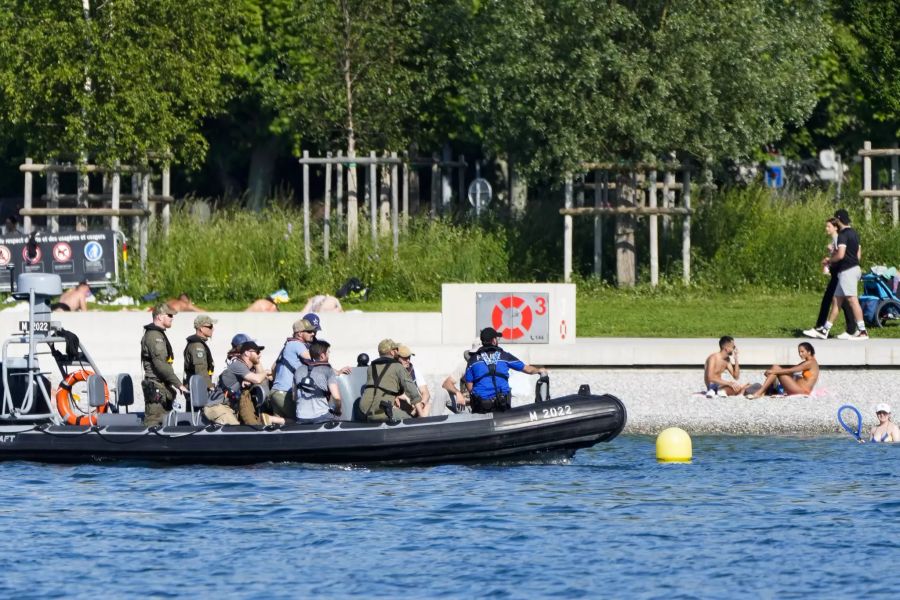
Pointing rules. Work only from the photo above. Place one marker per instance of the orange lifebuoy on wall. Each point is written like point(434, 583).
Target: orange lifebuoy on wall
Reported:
point(65, 406)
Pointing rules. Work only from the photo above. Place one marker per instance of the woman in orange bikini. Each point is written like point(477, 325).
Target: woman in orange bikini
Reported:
point(799, 379)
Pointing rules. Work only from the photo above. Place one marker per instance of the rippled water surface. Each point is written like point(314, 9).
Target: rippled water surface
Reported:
point(769, 517)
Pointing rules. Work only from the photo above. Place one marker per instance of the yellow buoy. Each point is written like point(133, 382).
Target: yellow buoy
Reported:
point(673, 445)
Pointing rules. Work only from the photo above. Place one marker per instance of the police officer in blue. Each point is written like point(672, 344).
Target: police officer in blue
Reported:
point(487, 374)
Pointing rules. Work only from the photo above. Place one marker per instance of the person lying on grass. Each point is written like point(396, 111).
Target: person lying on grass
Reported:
point(717, 363)
point(799, 379)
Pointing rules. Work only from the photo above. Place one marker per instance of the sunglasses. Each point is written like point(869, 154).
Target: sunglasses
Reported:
point(881, 412)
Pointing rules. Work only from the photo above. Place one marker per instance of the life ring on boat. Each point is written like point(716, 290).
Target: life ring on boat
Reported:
point(65, 405)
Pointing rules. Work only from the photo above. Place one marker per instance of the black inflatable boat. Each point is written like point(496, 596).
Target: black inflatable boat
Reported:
point(38, 426)
point(560, 427)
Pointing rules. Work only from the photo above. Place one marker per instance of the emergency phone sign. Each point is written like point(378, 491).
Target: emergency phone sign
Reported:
point(520, 317)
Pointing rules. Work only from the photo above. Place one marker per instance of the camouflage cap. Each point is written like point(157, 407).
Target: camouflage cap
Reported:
point(386, 345)
point(163, 309)
point(303, 325)
point(204, 321)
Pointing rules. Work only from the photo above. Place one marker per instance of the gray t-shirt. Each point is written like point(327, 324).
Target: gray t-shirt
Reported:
point(312, 395)
point(229, 380)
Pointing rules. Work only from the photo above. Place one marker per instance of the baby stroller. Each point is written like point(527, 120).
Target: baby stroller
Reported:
point(880, 305)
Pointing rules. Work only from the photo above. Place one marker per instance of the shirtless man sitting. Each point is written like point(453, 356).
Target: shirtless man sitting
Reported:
point(726, 359)
point(74, 299)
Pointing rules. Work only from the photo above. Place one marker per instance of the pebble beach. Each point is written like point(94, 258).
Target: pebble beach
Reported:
point(656, 399)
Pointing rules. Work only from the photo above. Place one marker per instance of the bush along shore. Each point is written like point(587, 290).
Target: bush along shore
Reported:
point(745, 241)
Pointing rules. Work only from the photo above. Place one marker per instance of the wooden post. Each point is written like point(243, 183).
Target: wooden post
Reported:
point(339, 190)
point(166, 191)
point(625, 226)
point(567, 232)
point(668, 197)
point(598, 227)
point(145, 223)
point(446, 189)
point(895, 201)
point(53, 197)
point(306, 249)
point(384, 201)
point(352, 205)
point(405, 175)
point(136, 193)
point(373, 196)
point(435, 186)
point(413, 182)
point(461, 181)
point(395, 208)
point(686, 226)
point(116, 191)
point(867, 181)
point(326, 225)
point(654, 237)
point(29, 191)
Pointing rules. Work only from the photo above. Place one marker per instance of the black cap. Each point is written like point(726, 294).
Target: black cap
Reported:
point(488, 334)
point(842, 215)
point(251, 345)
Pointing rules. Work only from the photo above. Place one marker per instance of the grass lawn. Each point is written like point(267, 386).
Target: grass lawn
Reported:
point(616, 313)
point(640, 313)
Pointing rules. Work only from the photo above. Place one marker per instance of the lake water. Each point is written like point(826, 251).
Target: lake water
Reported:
point(751, 516)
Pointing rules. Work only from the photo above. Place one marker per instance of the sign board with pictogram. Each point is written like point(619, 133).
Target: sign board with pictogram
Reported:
point(74, 256)
point(520, 317)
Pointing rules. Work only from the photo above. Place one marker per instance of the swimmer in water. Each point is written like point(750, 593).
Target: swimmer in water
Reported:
point(886, 432)
point(799, 379)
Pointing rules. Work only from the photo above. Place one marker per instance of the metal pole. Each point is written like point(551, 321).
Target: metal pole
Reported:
point(166, 191)
point(306, 253)
point(686, 226)
point(404, 171)
point(598, 229)
point(339, 188)
point(567, 233)
point(654, 234)
point(116, 190)
point(144, 223)
point(895, 201)
point(867, 181)
point(326, 225)
point(53, 197)
point(395, 208)
point(373, 196)
point(29, 190)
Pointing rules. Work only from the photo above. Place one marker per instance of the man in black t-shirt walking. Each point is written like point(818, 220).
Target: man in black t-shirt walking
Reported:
point(845, 262)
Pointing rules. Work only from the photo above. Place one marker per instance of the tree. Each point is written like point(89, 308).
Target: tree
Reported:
point(118, 81)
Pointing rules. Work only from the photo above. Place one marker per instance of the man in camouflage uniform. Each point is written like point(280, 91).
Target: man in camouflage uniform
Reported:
point(388, 381)
point(197, 357)
point(160, 382)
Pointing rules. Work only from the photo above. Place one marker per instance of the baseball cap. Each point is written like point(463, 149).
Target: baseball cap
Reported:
point(313, 318)
point(404, 351)
point(476, 344)
point(251, 345)
point(303, 325)
point(488, 334)
point(386, 345)
point(883, 407)
point(842, 215)
point(164, 309)
point(203, 320)
point(239, 339)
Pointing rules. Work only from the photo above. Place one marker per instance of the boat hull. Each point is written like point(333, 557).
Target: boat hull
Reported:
point(557, 427)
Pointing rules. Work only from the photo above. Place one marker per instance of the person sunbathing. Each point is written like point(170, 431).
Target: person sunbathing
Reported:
point(183, 303)
point(799, 379)
point(269, 303)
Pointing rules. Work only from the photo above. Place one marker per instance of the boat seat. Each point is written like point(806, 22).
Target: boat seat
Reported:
point(124, 391)
point(351, 390)
point(176, 418)
point(118, 419)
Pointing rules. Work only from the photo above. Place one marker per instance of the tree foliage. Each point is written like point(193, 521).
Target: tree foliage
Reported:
point(122, 80)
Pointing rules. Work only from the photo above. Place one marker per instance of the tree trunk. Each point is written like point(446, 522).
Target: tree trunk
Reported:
point(625, 226)
point(352, 198)
point(518, 194)
point(262, 169)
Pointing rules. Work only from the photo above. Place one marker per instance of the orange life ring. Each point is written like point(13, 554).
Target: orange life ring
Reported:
point(64, 403)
